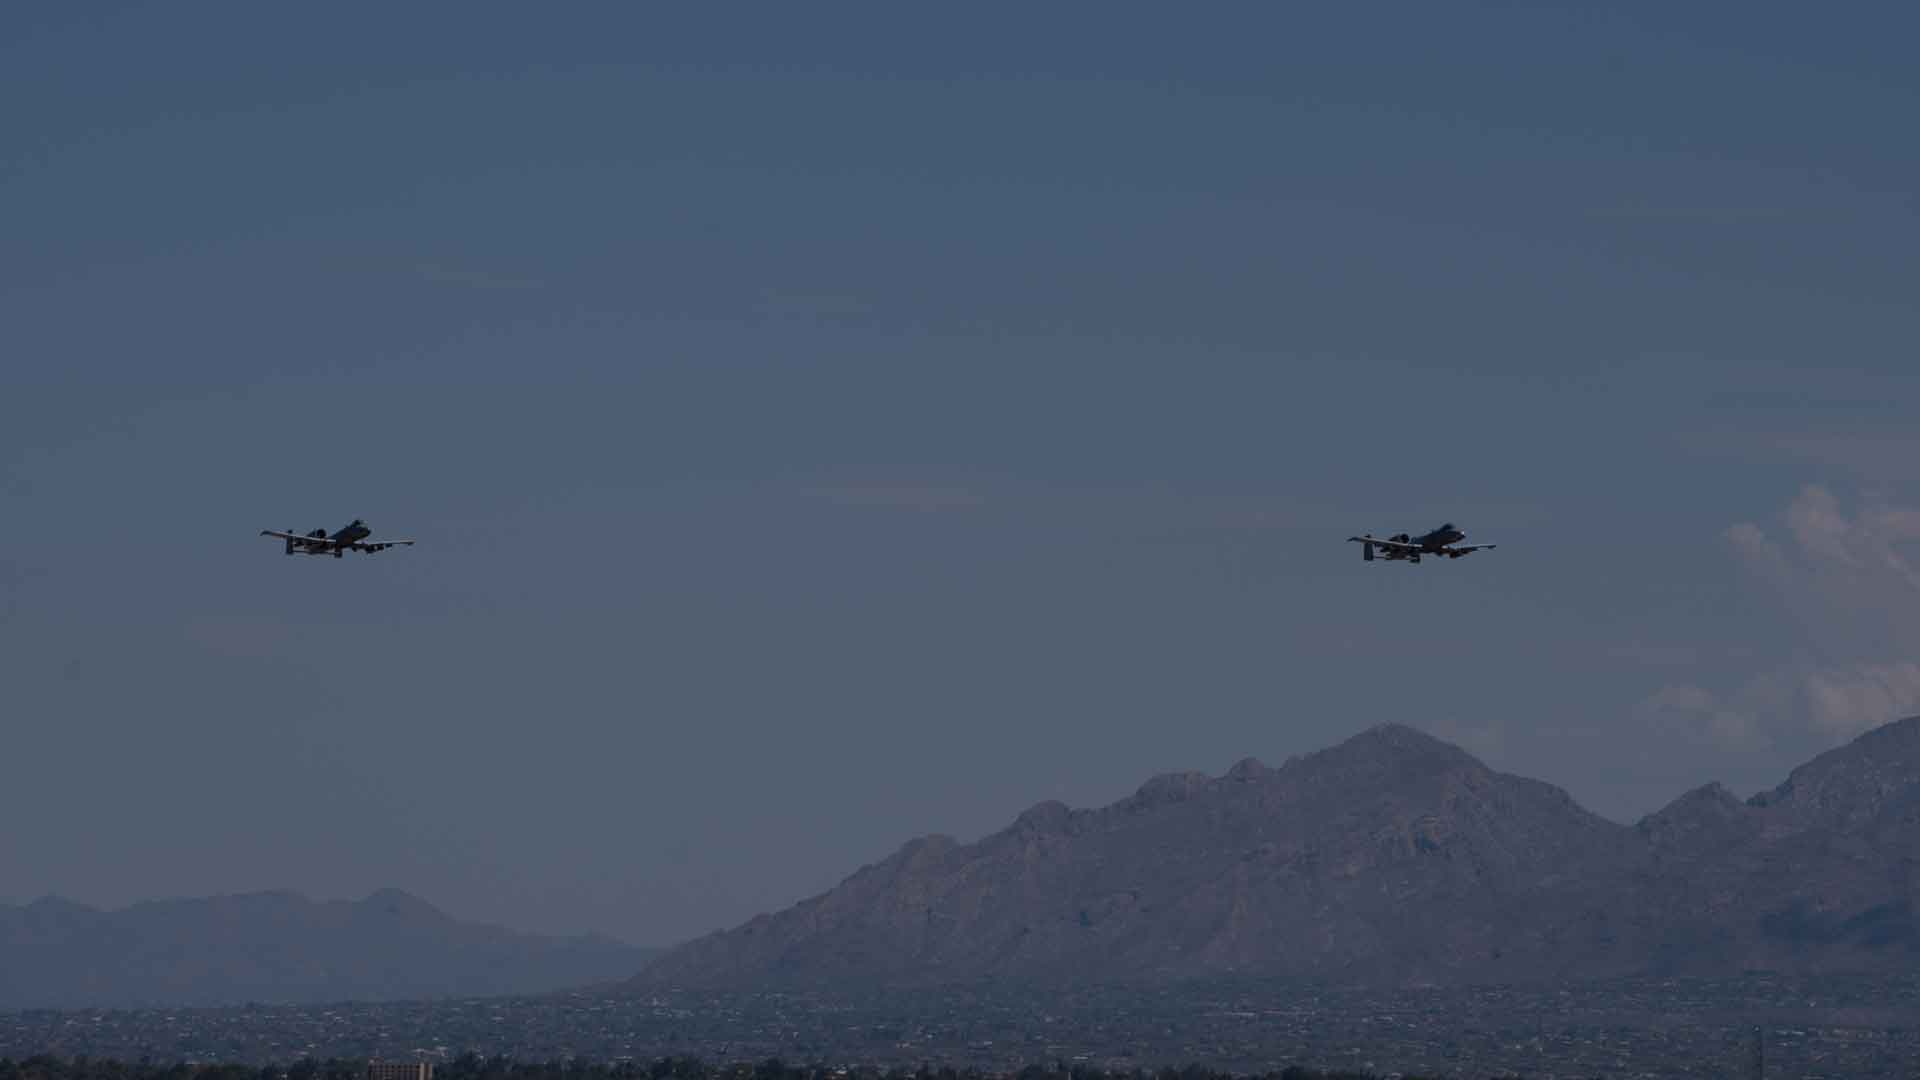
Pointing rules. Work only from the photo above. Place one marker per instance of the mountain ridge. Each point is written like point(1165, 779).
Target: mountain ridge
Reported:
point(1391, 857)
point(280, 947)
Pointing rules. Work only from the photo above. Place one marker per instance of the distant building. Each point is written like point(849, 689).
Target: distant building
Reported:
point(399, 1070)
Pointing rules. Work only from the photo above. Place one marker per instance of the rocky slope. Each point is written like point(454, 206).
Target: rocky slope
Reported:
point(279, 947)
point(1393, 857)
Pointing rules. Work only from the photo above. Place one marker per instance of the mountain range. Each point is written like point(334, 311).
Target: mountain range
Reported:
point(280, 948)
point(1392, 858)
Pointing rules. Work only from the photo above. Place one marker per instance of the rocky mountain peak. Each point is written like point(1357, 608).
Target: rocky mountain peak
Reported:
point(1051, 816)
point(1383, 758)
point(54, 906)
point(402, 904)
point(1850, 784)
point(1390, 857)
point(1711, 799)
point(1168, 788)
point(1706, 815)
point(1398, 740)
point(1248, 769)
point(929, 848)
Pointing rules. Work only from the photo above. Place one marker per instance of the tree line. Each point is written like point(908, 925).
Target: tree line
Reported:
point(478, 1067)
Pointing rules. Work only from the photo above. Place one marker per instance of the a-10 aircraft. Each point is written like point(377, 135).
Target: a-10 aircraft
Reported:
point(317, 542)
point(1439, 542)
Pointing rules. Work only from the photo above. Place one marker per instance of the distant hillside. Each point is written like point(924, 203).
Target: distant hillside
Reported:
point(1391, 858)
point(280, 947)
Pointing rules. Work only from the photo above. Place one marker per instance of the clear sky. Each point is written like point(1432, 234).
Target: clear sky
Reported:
point(828, 424)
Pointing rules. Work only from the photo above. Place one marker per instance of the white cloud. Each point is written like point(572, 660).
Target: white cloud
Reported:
point(1696, 715)
point(1845, 702)
point(1855, 598)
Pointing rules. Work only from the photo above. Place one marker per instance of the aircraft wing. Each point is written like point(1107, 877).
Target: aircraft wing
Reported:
point(1390, 544)
point(378, 545)
point(1473, 547)
point(296, 537)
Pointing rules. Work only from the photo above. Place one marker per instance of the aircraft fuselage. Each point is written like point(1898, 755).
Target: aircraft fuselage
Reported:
point(1432, 543)
point(1408, 548)
point(318, 542)
point(353, 537)
point(1439, 538)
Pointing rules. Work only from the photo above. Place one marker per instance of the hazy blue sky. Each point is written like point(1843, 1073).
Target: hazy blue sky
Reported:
point(828, 424)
